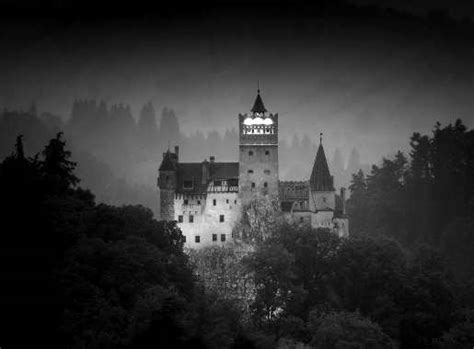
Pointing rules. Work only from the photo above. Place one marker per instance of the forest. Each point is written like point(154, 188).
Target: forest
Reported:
point(77, 273)
point(118, 153)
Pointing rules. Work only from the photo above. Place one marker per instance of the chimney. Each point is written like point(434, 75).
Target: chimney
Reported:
point(176, 151)
point(212, 159)
point(205, 172)
point(343, 200)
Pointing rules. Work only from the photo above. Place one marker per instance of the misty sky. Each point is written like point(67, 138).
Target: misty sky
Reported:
point(368, 85)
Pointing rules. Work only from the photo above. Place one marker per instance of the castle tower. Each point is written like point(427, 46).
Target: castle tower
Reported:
point(167, 182)
point(322, 196)
point(258, 152)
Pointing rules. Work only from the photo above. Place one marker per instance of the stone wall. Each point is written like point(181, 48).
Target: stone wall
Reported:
point(207, 217)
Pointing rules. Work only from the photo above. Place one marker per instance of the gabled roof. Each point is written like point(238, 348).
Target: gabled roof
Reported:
point(258, 106)
point(321, 179)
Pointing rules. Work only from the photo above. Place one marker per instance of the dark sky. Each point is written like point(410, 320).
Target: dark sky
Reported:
point(364, 80)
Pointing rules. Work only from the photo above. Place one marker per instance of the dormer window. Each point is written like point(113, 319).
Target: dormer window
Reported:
point(188, 184)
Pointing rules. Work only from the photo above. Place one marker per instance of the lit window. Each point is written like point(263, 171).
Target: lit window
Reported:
point(250, 171)
point(180, 219)
point(191, 218)
point(214, 237)
point(250, 153)
point(267, 152)
point(253, 185)
point(214, 202)
point(197, 239)
point(221, 218)
point(222, 237)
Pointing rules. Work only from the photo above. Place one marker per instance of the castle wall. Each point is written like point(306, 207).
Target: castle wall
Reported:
point(322, 219)
point(167, 204)
point(206, 218)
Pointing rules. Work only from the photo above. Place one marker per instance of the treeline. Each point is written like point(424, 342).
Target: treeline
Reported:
point(427, 197)
point(118, 153)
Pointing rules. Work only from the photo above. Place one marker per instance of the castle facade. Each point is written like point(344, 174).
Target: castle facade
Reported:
point(206, 198)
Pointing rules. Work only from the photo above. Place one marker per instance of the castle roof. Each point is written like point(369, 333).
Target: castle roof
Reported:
point(168, 163)
point(193, 171)
point(321, 179)
point(258, 106)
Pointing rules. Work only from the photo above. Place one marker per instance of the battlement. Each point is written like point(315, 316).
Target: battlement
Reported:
point(258, 129)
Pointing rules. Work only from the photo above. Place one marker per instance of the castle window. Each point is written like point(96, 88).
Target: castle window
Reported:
point(226, 201)
point(266, 172)
point(214, 237)
point(253, 185)
point(301, 219)
point(199, 202)
point(250, 153)
point(191, 218)
point(324, 199)
point(180, 219)
point(218, 183)
point(188, 184)
point(235, 202)
point(197, 239)
point(221, 218)
point(267, 152)
point(167, 178)
point(214, 202)
point(186, 202)
point(222, 237)
point(250, 171)
point(265, 184)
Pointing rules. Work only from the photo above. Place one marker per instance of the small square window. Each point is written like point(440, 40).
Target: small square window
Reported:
point(221, 218)
point(180, 219)
point(185, 202)
point(235, 202)
point(222, 237)
point(250, 153)
point(265, 184)
point(214, 237)
point(199, 202)
point(214, 202)
point(226, 201)
point(250, 171)
point(197, 239)
point(191, 218)
point(253, 185)
point(267, 152)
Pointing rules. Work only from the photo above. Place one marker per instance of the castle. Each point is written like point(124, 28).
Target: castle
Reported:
point(206, 198)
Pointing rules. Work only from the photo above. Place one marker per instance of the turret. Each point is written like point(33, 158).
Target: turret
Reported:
point(167, 182)
point(321, 183)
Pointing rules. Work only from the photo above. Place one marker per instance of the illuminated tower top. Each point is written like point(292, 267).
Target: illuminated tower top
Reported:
point(259, 127)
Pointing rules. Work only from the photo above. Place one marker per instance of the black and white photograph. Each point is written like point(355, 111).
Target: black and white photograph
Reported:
point(287, 174)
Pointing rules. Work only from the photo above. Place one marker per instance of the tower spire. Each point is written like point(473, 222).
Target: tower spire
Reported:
point(320, 138)
point(258, 106)
point(321, 179)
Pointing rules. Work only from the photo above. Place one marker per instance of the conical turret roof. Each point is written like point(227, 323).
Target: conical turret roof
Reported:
point(258, 106)
point(168, 163)
point(321, 179)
